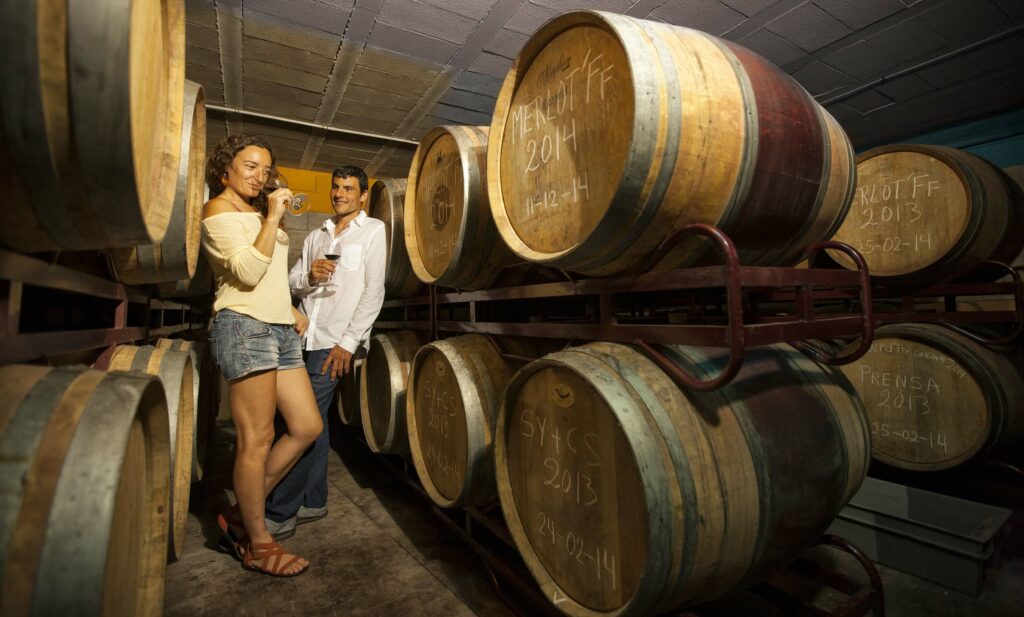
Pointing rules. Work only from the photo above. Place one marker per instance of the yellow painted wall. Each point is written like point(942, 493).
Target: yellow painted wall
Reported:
point(316, 184)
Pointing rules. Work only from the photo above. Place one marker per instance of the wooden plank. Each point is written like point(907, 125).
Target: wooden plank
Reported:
point(25, 347)
point(17, 267)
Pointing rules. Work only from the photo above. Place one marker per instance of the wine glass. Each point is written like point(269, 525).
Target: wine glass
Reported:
point(299, 203)
point(331, 255)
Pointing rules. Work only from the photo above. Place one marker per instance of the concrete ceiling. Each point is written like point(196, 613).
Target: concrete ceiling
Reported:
point(886, 69)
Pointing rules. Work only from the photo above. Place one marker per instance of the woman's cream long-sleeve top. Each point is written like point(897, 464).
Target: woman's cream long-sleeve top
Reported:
point(248, 281)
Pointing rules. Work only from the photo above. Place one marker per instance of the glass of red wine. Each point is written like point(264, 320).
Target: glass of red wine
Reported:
point(331, 256)
point(299, 203)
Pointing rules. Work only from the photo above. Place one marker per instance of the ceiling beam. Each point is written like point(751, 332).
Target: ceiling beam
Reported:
point(496, 18)
point(229, 42)
point(364, 13)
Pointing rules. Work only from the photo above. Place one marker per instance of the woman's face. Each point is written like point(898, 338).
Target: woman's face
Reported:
point(248, 171)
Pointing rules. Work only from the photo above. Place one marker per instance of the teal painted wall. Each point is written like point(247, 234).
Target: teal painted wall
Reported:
point(999, 138)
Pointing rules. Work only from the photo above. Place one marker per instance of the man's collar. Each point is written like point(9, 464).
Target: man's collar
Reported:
point(359, 221)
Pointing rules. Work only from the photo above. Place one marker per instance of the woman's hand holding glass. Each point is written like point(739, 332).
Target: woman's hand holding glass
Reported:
point(278, 203)
point(276, 187)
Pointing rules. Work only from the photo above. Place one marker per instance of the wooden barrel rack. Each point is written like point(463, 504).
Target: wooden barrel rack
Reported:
point(119, 314)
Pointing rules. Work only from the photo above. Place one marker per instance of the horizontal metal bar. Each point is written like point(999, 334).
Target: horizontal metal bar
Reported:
point(32, 271)
point(166, 330)
point(25, 347)
point(314, 125)
point(402, 325)
point(712, 336)
point(957, 317)
point(168, 305)
point(542, 290)
point(403, 302)
point(953, 289)
point(824, 328)
point(671, 280)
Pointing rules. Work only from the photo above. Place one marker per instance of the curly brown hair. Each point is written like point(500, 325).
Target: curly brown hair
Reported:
point(221, 158)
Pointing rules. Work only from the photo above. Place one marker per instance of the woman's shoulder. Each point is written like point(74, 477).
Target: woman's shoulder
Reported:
point(218, 205)
point(222, 205)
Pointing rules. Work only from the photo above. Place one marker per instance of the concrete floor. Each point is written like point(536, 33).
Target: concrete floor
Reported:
point(376, 553)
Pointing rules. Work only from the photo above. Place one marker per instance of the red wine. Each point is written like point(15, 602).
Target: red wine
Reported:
point(332, 256)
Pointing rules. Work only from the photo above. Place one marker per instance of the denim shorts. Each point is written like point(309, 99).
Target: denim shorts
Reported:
point(243, 345)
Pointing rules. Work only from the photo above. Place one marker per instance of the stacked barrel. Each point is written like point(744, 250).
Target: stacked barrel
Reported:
point(85, 495)
point(923, 214)
point(937, 398)
point(624, 493)
point(102, 148)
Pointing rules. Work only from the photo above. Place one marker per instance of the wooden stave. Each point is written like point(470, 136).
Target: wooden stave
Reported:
point(176, 257)
point(482, 375)
point(657, 592)
point(618, 244)
point(397, 350)
point(103, 179)
point(400, 281)
point(65, 451)
point(37, 133)
point(480, 254)
point(349, 411)
point(199, 286)
point(175, 371)
point(1000, 383)
point(69, 56)
point(201, 379)
point(994, 229)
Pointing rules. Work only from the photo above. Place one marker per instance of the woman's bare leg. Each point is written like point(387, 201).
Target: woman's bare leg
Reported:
point(260, 462)
point(252, 409)
point(298, 407)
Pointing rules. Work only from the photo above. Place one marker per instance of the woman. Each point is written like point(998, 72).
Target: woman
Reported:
point(255, 341)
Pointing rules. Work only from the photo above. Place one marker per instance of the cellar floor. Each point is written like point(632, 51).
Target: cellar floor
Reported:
point(377, 553)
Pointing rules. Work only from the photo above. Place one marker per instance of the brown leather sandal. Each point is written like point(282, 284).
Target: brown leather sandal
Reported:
point(233, 529)
point(269, 558)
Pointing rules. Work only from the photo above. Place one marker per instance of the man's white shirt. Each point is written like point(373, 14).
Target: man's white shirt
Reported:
point(342, 313)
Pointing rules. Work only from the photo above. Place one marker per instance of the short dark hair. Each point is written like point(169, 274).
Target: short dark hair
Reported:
point(351, 171)
point(221, 157)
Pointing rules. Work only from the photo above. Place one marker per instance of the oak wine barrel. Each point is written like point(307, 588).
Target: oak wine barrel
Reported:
point(922, 213)
point(628, 496)
point(449, 232)
point(204, 378)
point(348, 394)
point(174, 369)
point(936, 399)
point(455, 389)
point(174, 258)
point(92, 124)
point(611, 132)
point(382, 390)
point(200, 285)
point(85, 492)
point(387, 203)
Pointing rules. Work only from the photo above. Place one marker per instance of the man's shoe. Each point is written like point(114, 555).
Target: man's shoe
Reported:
point(308, 515)
point(281, 531)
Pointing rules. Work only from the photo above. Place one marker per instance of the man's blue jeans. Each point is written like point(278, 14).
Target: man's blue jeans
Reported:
point(306, 483)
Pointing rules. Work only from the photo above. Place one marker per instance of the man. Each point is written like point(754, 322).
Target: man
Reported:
point(341, 299)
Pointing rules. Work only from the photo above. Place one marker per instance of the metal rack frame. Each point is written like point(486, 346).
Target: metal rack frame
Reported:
point(739, 291)
point(18, 271)
point(727, 285)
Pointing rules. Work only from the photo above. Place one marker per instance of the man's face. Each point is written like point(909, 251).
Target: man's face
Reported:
point(346, 196)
